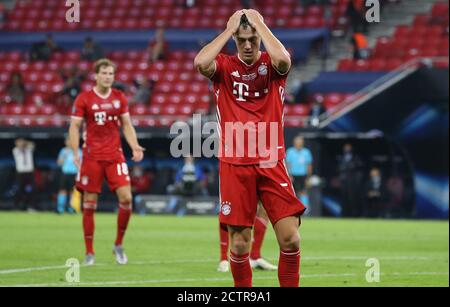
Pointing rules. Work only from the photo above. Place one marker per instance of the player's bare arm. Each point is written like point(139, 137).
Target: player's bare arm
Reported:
point(204, 62)
point(281, 60)
point(74, 137)
point(130, 136)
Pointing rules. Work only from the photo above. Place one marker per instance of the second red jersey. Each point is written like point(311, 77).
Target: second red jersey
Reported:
point(249, 110)
point(102, 117)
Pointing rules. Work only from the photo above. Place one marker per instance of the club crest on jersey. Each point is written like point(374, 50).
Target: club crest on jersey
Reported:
point(262, 70)
point(226, 208)
point(116, 104)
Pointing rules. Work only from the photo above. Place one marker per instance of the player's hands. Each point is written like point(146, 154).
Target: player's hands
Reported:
point(235, 21)
point(77, 160)
point(138, 153)
point(254, 17)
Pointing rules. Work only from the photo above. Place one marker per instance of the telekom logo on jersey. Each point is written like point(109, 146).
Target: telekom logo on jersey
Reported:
point(241, 90)
point(241, 140)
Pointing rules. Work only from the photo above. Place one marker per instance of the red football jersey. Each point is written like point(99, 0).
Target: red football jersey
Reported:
point(102, 117)
point(250, 102)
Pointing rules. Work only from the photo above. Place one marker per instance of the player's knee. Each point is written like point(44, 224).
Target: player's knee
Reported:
point(126, 199)
point(290, 241)
point(240, 244)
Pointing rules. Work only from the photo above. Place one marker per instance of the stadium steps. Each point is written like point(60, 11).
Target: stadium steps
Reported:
point(392, 16)
point(8, 4)
point(366, 94)
point(400, 14)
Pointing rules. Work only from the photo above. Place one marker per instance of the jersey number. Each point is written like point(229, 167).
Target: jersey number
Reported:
point(122, 168)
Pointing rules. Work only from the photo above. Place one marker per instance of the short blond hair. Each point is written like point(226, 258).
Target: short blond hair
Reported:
point(104, 63)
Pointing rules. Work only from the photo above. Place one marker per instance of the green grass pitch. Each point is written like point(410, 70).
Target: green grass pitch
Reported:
point(183, 251)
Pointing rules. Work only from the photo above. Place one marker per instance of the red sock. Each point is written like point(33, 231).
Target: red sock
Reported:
point(122, 221)
point(89, 225)
point(289, 268)
point(223, 243)
point(241, 270)
point(258, 237)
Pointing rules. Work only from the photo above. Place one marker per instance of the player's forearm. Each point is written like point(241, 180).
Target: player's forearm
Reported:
point(74, 137)
point(208, 54)
point(276, 50)
point(310, 170)
point(130, 135)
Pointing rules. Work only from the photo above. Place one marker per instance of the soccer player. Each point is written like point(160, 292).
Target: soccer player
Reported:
point(104, 110)
point(249, 89)
point(69, 171)
point(256, 260)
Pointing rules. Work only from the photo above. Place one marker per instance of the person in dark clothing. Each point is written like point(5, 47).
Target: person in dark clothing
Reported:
point(350, 180)
point(375, 198)
point(91, 50)
point(16, 89)
point(43, 50)
point(23, 157)
point(356, 12)
point(317, 109)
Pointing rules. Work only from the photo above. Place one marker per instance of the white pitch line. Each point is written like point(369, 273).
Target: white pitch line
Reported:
point(228, 279)
point(159, 262)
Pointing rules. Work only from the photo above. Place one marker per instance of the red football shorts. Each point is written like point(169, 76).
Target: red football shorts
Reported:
point(92, 173)
point(242, 186)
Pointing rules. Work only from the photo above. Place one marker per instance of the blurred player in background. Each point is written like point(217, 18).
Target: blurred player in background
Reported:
point(104, 110)
point(249, 89)
point(68, 173)
point(256, 260)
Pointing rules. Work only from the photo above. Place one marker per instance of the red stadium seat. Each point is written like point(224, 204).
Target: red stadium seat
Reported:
point(186, 110)
point(361, 65)
point(333, 99)
point(169, 110)
point(48, 109)
point(170, 76)
point(159, 99)
point(429, 52)
point(165, 87)
point(124, 76)
point(421, 19)
point(393, 64)
point(401, 31)
point(440, 9)
point(176, 99)
point(295, 22)
point(345, 65)
point(181, 87)
point(138, 109)
point(154, 110)
point(293, 122)
point(297, 110)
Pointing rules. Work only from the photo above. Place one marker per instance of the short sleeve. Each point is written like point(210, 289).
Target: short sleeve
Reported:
point(79, 107)
point(275, 73)
point(61, 154)
point(123, 104)
point(219, 62)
